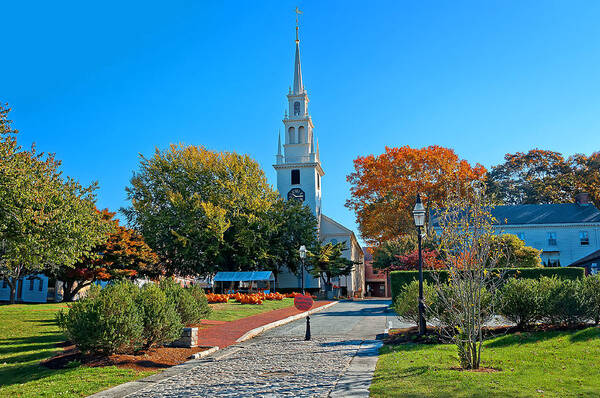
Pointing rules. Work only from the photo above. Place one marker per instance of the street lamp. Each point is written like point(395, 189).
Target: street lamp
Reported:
point(419, 215)
point(302, 257)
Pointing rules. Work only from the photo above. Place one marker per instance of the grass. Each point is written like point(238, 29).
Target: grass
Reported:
point(540, 364)
point(231, 311)
point(29, 334)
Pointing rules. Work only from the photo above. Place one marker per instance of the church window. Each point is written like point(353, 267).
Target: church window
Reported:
point(296, 108)
point(301, 139)
point(291, 135)
point(295, 177)
point(318, 181)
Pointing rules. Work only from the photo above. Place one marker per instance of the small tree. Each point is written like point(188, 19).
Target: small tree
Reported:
point(123, 255)
point(327, 261)
point(465, 302)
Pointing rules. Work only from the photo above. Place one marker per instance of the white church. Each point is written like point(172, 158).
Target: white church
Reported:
point(299, 175)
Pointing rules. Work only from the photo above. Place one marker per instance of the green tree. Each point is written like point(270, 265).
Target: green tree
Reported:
point(541, 176)
point(203, 211)
point(514, 253)
point(326, 261)
point(295, 225)
point(45, 220)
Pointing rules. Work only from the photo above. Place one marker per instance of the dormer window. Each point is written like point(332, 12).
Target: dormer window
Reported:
point(584, 238)
point(296, 108)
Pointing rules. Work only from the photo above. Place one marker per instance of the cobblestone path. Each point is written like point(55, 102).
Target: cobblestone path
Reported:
point(280, 363)
point(264, 367)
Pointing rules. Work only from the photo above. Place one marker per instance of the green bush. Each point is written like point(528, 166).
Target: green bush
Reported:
point(185, 304)
point(519, 301)
point(562, 301)
point(162, 323)
point(201, 301)
point(406, 304)
point(591, 295)
point(401, 278)
point(107, 321)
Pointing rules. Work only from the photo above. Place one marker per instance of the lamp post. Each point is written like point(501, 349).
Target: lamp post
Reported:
point(419, 216)
point(302, 257)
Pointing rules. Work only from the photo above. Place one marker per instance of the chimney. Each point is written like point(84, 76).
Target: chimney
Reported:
point(582, 199)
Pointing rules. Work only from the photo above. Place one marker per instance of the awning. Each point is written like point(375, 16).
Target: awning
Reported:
point(244, 276)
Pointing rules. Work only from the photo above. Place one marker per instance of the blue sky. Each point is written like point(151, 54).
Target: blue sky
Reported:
point(100, 82)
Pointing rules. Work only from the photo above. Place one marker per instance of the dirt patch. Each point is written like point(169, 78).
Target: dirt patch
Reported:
point(153, 359)
point(480, 370)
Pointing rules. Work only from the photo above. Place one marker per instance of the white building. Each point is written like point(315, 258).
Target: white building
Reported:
point(299, 175)
point(565, 232)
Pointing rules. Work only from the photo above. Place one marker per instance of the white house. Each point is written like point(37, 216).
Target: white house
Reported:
point(299, 177)
point(565, 232)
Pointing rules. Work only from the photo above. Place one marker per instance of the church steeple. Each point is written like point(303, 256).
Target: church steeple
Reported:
point(298, 87)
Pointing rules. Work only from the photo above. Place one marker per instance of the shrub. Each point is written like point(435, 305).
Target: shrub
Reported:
point(201, 301)
point(185, 304)
point(401, 278)
point(519, 301)
point(162, 323)
point(562, 301)
point(406, 304)
point(591, 296)
point(107, 321)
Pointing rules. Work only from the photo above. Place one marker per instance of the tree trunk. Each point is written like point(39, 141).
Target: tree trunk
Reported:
point(70, 290)
point(13, 289)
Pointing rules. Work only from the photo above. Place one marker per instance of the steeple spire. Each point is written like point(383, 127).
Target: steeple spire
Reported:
point(298, 87)
point(279, 144)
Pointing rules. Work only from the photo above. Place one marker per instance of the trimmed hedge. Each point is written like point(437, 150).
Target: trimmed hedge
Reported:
point(401, 278)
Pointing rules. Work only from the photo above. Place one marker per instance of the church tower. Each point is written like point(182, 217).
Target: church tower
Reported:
point(298, 167)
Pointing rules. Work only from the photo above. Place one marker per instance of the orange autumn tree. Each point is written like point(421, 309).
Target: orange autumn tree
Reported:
point(123, 255)
point(384, 187)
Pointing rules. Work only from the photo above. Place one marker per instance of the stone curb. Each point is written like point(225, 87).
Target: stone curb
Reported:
point(256, 331)
point(204, 353)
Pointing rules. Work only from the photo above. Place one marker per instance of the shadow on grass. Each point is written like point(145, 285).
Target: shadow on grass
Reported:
point(30, 343)
point(585, 335)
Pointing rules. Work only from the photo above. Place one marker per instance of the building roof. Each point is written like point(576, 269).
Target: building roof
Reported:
point(589, 258)
point(560, 213)
point(244, 276)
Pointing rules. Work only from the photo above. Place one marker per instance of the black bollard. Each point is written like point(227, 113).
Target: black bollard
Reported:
point(307, 336)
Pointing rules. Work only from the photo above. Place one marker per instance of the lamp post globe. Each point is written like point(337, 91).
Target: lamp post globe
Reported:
point(419, 216)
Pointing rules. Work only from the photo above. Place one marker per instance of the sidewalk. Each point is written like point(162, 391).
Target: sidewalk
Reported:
point(223, 334)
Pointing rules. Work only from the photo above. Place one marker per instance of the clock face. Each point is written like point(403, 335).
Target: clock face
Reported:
point(296, 193)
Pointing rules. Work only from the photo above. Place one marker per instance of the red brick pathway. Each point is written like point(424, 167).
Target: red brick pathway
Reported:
point(224, 334)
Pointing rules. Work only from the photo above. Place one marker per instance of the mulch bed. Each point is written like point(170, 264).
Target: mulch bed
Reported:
point(153, 359)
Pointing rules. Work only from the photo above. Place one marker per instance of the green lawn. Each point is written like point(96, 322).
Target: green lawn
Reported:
point(28, 334)
point(540, 364)
point(233, 310)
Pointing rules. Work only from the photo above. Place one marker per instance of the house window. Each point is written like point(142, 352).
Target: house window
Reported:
point(41, 285)
point(295, 177)
point(31, 284)
point(521, 235)
point(4, 284)
point(551, 238)
point(584, 238)
point(594, 269)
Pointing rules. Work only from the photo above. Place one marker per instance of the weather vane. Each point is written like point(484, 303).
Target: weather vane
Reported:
point(298, 12)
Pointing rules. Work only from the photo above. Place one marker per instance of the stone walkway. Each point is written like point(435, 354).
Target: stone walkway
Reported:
point(338, 361)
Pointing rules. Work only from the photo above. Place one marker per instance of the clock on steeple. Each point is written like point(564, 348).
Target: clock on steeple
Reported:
point(296, 193)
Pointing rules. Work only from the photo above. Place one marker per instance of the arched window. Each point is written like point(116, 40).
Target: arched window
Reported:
point(291, 135)
point(301, 137)
point(296, 108)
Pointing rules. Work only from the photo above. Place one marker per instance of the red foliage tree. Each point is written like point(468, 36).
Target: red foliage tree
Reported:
point(123, 255)
point(410, 261)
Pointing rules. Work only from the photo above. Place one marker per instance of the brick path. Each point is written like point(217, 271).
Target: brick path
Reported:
point(223, 334)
